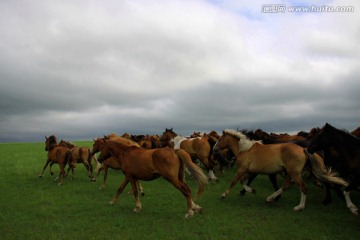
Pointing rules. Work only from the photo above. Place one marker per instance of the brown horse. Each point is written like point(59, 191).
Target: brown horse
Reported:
point(56, 154)
point(111, 162)
point(199, 148)
point(346, 147)
point(78, 155)
point(149, 164)
point(254, 157)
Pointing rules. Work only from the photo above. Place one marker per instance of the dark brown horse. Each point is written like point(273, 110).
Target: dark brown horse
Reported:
point(148, 164)
point(254, 157)
point(199, 148)
point(78, 155)
point(56, 154)
point(347, 146)
point(111, 162)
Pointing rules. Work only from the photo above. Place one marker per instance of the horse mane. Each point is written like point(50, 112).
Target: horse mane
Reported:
point(124, 142)
point(244, 143)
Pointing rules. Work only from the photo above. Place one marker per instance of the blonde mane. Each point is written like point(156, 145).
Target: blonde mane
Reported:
point(125, 142)
point(244, 143)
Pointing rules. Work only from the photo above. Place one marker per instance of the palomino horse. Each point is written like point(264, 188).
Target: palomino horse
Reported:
point(149, 164)
point(199, 148)
point(78, 155)
point(111, 162)
point(254, 157)
point(347, 147)
point(56, 154)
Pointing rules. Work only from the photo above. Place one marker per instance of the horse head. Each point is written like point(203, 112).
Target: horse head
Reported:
point(167, 135)
point(50, 142)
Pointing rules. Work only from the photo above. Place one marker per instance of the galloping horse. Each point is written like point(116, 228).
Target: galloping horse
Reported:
point(78, 155)
point(56, 154)
point(111, 162)
point(254, 157)
point(348, 148)
point(199, 148)
point(148, 164)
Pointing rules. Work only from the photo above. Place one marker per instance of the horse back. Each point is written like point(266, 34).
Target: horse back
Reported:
point(270, 158)
point(149, 164)
point(199, 146)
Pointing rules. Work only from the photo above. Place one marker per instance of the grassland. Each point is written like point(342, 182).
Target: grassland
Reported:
point(37, 208)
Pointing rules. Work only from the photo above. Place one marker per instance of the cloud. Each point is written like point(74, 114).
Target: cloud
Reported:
point(83, 69)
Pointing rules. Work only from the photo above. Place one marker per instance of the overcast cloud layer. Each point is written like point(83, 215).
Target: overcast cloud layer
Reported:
point(81, 69)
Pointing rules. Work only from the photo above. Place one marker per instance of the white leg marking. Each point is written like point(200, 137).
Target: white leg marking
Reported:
point(274, 195)
point(349, 203)
point(248, 189)
point(212, 175)
point(301, 206)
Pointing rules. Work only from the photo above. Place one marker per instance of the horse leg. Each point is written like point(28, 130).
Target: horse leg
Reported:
point(87, 168)
point(273, 180)
point(62, 173)
point(353, 185)
point(286, 185)
point(42, 173)
point(239, 174)
point(185, 190)
point(328, 198)
point(119, 191)
point(105, 167)
point(247, 187)
point(136, 195)
point(51, 172)
point(303, 189)
point(140, 187)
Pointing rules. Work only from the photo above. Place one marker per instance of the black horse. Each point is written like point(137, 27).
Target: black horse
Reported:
point(347, 146)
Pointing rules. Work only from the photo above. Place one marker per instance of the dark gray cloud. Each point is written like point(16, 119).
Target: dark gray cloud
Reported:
point(81, 70)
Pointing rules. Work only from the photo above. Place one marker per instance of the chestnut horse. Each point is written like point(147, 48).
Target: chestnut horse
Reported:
point(199, 148)
point(148, 164)
point(56, 154)
point(347, 146)
point(78, 155)
point(111, 162)
point(254, 157)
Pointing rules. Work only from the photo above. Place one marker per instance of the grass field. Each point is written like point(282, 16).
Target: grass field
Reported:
point(37, 208)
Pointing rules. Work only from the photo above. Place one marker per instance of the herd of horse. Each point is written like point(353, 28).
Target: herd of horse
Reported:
point(331, 157)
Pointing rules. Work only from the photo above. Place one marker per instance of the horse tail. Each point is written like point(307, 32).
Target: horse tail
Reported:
point(196, 171)
point(321, 172)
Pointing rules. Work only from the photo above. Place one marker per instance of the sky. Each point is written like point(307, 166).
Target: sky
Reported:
point(82, 69)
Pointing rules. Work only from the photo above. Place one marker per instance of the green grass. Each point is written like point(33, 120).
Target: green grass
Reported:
point(37, 208)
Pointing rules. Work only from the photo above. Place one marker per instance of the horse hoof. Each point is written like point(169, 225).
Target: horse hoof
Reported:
point(40, 175)
point(190, 214)
point(136, 210)
point(298, 208)
point(142, 194)
point(354, 210)
point(93, 180)
point(112, 203)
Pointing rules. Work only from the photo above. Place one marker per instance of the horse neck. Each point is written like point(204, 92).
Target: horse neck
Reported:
point(232, 142)
point(346, 144)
